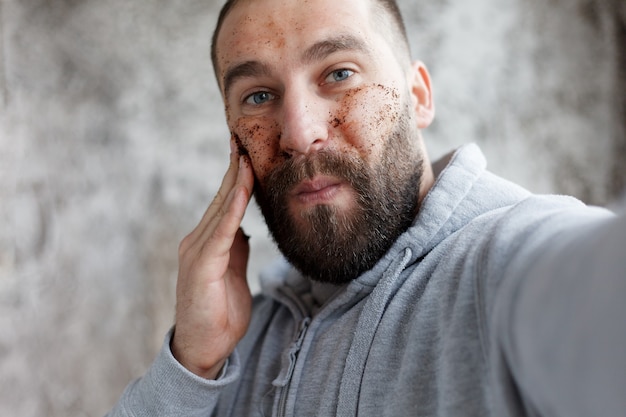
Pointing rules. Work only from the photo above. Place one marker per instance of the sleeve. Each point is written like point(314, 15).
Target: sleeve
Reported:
point(560, 320)
point(169, 389)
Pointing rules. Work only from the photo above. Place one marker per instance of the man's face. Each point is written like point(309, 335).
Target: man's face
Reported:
point(317, 99)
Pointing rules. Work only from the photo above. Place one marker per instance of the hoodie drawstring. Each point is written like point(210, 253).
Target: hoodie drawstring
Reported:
point(364, 335)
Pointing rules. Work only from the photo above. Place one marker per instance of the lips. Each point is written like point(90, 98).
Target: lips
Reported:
point(319, 190)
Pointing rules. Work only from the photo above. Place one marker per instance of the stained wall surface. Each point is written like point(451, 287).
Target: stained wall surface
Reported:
point(113, 142)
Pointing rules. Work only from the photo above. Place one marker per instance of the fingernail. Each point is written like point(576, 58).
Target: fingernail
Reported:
point(232, 147)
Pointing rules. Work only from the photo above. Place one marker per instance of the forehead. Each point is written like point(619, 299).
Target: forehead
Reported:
point(255, 29)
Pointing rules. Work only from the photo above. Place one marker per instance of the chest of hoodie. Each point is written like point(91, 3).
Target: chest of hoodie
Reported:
point(420, 352)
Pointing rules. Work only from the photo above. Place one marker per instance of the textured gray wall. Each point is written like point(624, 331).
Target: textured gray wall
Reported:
point(113, 141)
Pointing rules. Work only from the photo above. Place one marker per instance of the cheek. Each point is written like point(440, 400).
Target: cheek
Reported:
point(367, 116)
point(259, 139)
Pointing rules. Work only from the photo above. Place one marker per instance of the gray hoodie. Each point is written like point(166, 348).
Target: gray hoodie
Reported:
point(495, 302)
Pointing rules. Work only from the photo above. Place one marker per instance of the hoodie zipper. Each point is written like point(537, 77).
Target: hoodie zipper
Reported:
point(293, 357)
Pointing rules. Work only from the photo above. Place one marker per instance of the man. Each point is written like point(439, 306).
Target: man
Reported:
point(408, 288)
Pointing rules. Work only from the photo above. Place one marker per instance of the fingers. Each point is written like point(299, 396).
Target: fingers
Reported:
point(227, 183)
point(221, 229)
point(236, 188)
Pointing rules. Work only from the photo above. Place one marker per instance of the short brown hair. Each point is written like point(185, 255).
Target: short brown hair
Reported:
point(389, 6)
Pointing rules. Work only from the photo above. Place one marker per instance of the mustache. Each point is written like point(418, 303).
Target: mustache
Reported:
point(293, 171)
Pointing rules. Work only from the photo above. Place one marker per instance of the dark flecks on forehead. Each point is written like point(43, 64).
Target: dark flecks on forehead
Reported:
point(316, 52)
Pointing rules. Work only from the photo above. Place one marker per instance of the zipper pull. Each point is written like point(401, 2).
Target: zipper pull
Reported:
point(304, 326)
point(288, 362)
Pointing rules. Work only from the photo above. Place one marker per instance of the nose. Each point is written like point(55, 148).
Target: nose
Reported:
point(305, 128)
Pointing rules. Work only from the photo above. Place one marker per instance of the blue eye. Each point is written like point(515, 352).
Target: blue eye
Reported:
point(339, 75)
point(259, 98)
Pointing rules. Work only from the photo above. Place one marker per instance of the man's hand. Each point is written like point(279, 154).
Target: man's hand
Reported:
point(213, 300)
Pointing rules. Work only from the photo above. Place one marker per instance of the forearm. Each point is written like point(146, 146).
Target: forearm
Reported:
point(564, 334)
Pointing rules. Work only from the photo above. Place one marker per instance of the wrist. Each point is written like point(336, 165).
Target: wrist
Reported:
point(211, 369)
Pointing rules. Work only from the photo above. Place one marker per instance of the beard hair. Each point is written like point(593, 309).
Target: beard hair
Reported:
point(331, 245)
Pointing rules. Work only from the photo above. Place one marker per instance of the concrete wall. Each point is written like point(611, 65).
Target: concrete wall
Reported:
point(113, 141)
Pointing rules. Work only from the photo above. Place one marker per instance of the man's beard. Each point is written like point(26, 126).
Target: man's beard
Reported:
point(334, 245)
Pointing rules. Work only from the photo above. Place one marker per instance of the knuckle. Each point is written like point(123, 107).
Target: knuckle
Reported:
point(219, 197)
point(184, 245)
point(221, 212)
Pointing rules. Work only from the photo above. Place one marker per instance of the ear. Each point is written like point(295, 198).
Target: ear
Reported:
point(421, 94)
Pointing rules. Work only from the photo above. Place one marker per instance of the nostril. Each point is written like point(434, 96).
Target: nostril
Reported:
point(318, 144)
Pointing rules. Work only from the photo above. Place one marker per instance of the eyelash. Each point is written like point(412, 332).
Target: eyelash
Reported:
point(349, 71)
point(247, 99)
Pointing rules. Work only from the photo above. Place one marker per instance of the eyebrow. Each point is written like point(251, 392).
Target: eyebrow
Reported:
point(244, 70)
point(322, 49)
point(316, 52)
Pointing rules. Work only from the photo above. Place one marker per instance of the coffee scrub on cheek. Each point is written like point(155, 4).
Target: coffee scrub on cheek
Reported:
point(366, 114)
point(260, 140)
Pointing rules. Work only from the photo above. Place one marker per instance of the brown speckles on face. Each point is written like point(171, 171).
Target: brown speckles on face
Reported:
point(366, 115)
point(241, 150)
point(259, 138)
point(336, 122)
point(359, 121)
point(243, 38)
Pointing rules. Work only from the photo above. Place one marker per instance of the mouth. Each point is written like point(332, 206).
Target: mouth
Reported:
point(319, 190)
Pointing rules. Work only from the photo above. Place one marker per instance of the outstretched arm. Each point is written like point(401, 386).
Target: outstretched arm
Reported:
point(563, 331)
